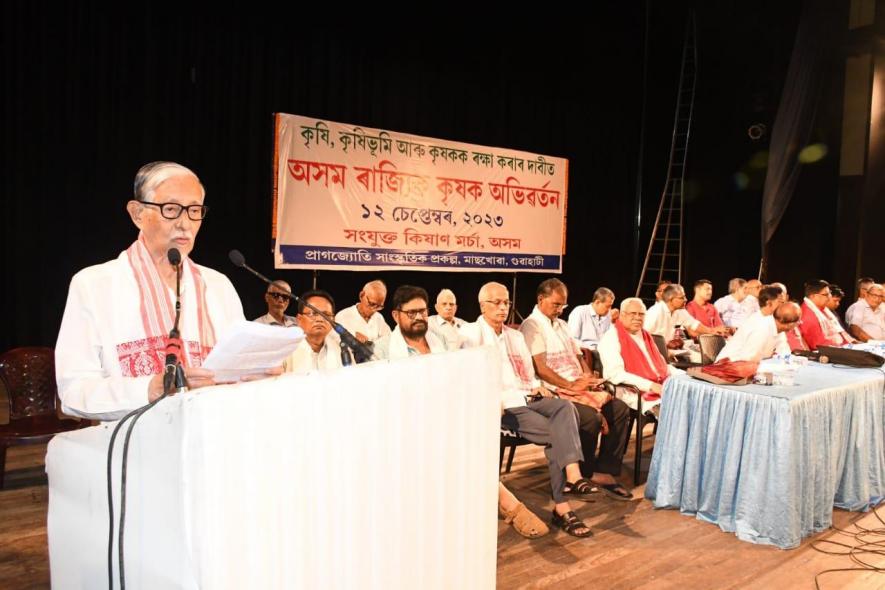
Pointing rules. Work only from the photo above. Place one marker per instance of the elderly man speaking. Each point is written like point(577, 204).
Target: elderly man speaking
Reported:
point(111, 346)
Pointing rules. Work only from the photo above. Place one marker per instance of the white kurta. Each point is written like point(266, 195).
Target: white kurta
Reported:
point(304, 360)
point(446, 331)
point(660, 320)
point(756, 339)
point(373, 329)
point(733, 312)
point(394, 346)
point(862, 315)
point(288, 321)
point(481, 333)
point(102, 347)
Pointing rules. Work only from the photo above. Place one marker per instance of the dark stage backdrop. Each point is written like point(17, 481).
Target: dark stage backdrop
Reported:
point(89, 96)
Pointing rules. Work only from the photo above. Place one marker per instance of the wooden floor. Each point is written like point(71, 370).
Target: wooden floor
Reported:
point(634, 546)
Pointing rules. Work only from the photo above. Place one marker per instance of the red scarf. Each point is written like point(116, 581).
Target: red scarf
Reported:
point(635, 361)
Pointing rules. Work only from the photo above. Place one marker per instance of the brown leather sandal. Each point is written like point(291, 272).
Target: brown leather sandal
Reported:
point(524, 521)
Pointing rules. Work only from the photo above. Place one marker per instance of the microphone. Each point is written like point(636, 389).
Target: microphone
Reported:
point(361, 352)
point(173, 378)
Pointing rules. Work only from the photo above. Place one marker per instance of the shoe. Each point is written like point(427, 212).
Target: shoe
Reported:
point(571, 524)
point(616, 491)
point(580, 490)
point(524, 521)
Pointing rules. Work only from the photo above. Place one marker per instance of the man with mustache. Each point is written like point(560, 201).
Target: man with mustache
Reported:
point(110, 352)
point(277, 298)
point(410, 337)
point(562, 369)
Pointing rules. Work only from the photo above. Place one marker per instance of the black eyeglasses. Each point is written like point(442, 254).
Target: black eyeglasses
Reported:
point(414, 313)
point(279, 296)
point(173, 210)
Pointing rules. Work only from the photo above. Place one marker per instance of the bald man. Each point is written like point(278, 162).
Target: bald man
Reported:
point(277, 299)
point(445, 324)
point(364, 319)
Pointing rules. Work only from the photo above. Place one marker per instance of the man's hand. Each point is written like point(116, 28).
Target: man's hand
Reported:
point(721, 331)
point(585, 381)
point(196, 377)
point(361, 337)
point(614, 314)
point(656, 388)
point(271, 372)
point(676, 344)
point(542, 391)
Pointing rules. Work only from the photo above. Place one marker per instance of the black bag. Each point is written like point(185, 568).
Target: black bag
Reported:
point(851, 358)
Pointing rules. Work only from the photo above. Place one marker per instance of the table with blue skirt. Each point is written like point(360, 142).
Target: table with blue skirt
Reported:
point(769, 463)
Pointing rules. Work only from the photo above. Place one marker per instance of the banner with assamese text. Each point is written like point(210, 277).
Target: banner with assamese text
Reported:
point(355, 198)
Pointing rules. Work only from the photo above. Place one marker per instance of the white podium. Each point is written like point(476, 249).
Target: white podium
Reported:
point(381, 475)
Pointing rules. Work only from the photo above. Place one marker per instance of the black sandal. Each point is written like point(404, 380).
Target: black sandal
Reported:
point(571, 524)
point(581, 489)
point(616, 491)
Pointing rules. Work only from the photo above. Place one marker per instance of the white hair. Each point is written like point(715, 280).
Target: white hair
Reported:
point(484, 290)
point(445, 292)
point(630, 300)
point(150, 176)
point(376, 285)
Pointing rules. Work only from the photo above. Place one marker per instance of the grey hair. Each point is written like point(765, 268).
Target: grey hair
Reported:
point(671, 291)
point(446, 292)
point(630, 300)
point(376, 285)
point(735, 284)
point(484, 290)
point(152, 175)
point(603, 293)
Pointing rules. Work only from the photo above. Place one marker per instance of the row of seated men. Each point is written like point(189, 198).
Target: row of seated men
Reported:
point(550, 395)
point(543, 365)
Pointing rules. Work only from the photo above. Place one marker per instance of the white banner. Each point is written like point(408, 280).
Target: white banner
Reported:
point(351, 198)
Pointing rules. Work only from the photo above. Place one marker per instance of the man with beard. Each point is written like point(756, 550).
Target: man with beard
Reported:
point(317, 351)
point(562, 369)
point(410, 337)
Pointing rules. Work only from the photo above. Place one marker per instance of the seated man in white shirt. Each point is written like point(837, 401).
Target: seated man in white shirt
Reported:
point(410, 337)
point(318, 350)
point(867, 317)
point(734, 308)
point(444, 324)
point(561, 367)
point(529, 409)
point(587, 323)
point(630, 357)
point(364, 319)
point(764, 333)
point(663, 317)
point(277, 299)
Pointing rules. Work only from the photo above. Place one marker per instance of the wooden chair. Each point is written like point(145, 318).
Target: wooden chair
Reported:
point(28, 374)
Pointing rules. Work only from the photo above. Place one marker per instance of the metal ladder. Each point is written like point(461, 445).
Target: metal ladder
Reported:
point(663, 260)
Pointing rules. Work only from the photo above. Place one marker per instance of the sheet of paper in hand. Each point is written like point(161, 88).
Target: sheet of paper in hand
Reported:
point(250, 348)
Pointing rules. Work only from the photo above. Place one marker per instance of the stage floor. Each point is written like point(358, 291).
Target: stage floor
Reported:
point(634, 546)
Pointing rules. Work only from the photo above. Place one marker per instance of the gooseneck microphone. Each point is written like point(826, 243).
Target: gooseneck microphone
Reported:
point(173, 376)
point(360, 351)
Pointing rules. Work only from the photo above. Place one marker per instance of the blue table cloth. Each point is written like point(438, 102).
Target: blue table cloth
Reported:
point(768, 463)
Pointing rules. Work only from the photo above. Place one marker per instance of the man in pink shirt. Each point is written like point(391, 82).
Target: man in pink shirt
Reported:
point(700, 307)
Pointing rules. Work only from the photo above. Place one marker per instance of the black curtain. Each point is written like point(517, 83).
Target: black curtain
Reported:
point(797, 113)
point(89, 96)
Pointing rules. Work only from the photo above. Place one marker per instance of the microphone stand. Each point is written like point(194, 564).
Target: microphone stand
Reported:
point(174, 380)
point(351, 348)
